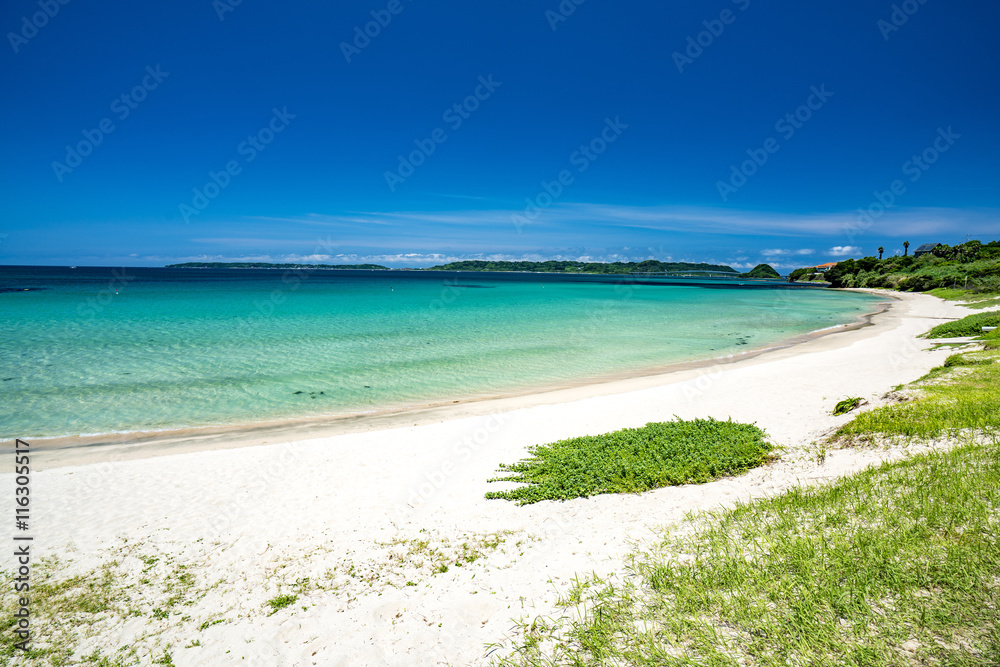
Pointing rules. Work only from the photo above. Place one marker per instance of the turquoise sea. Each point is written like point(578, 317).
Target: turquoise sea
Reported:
point(98, 350)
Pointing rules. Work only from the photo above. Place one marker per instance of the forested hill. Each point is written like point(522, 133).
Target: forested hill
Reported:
point(265, 265)
point(554, 266)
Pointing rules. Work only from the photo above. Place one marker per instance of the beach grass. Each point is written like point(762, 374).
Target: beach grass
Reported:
point(971, 298)
point(635, 459)
point(962, 394)
point(177, 602)
point(848, 404)
point(970, 325)
point(896, 565)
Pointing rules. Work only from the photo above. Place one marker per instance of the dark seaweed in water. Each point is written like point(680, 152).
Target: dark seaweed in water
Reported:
point(312, 394)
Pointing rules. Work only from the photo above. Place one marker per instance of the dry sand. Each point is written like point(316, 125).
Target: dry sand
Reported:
point(369, 516)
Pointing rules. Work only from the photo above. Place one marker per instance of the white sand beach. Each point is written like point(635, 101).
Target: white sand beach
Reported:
point(359, 525)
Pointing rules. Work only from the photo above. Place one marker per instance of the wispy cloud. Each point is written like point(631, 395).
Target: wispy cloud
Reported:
point(703, 220)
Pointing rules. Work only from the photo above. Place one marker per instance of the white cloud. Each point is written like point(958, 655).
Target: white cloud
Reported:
point(844, 250)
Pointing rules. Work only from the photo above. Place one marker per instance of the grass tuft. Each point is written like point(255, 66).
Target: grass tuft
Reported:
point(635, 459)
point(848, 404)
point(280, 602)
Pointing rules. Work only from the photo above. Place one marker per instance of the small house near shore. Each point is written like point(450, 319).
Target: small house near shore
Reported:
point(926, 249)
point(823, 268)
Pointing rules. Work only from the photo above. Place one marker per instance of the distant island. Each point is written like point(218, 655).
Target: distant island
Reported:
point(265, 265)
point(761, 271)
point(556, 266)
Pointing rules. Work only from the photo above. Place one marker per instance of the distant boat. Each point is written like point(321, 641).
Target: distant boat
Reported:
point(72, 267)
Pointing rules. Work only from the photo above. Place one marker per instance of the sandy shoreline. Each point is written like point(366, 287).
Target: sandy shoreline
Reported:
point(370, 515)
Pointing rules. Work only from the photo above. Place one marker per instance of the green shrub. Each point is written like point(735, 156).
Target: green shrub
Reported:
point(635, 459)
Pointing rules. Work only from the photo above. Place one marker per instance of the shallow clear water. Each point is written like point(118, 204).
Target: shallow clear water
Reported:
point(98, 350)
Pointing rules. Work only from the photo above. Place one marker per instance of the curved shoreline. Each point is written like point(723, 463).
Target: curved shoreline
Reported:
point(81, 449)
point(331, 508)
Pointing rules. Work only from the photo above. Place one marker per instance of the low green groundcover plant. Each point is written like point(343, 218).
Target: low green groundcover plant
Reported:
point(635, 459)
point(970, 325)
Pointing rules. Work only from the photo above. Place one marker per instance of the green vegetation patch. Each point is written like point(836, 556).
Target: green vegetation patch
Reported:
point(848, 404)
point(635, 459)
point(964, 393)
point(970, 325)
point(896, 565)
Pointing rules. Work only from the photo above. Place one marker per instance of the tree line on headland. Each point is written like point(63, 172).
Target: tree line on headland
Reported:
point(973, 264)
point(569, 266)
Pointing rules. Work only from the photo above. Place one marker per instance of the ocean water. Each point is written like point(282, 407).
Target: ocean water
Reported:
point(96, 350)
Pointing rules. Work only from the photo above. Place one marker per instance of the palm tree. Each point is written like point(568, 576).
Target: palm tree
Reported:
point(880, 251)
point(906, 248)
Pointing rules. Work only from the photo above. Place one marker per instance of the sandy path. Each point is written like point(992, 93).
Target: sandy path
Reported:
point(249, 522)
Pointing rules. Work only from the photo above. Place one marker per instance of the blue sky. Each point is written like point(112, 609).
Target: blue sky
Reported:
point(724, 131)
